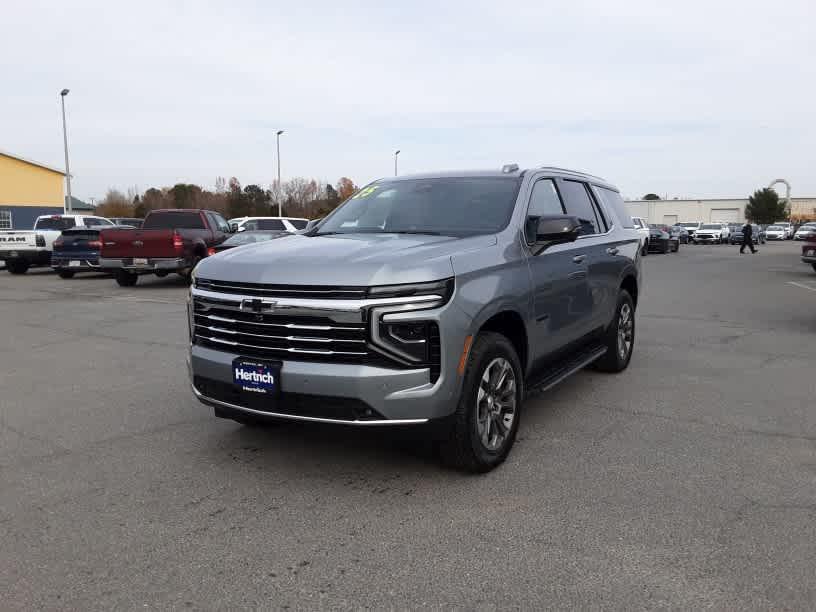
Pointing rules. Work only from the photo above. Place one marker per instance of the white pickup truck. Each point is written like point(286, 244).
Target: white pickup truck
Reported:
point(21, 249)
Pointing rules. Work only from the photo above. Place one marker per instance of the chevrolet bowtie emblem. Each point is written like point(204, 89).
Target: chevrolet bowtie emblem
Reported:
point(257, 305)
point(137, 243)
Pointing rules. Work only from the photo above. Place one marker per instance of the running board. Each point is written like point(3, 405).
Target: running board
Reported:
point(555, 374)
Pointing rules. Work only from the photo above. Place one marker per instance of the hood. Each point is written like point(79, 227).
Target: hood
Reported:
point(349, 259)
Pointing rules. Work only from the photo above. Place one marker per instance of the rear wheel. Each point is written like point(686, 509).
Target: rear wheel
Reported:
point(126, 279)
point(645, 248)
point(665, 248)
point(17, 267)
point(814, 267)
point(487, 416)
point(65, 273)
point(620, 337)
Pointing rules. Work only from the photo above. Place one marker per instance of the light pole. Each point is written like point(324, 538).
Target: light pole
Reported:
point(280, 188)
point(396, 153)
point(67, 204)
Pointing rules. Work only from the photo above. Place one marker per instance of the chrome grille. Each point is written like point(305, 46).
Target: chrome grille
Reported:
point(289, 291)
point(224, 323)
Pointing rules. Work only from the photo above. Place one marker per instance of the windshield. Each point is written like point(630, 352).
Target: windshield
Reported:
point(689, 225)
point(711, 227)
point(445, 206)
point(249, 238)
point(55, 223)
point(774, 228)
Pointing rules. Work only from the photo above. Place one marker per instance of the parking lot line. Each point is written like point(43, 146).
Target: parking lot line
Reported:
point(802, 286)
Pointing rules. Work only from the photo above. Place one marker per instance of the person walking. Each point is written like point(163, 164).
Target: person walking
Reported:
point(747, 238)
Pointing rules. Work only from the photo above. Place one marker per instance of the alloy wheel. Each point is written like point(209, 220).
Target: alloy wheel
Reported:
point(496, 404)
point(626, 328)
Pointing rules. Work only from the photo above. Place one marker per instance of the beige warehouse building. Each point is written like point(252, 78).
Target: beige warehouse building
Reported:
point(710, 211)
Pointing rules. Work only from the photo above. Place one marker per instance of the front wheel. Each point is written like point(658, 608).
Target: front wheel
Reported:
point(620, 337)
point(487, 416)
point(644, 250)
point(814, 267)
point(17, 267)
point(66, 274)
point(126, 279)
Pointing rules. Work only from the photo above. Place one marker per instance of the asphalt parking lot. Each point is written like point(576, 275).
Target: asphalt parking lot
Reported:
point(689, 481)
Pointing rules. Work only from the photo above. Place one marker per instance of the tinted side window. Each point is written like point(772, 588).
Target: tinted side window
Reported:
point(298, 223)
point(271, 224)
point(613, 202)
point(544, 200)
point(220, 222)
point(579, 205)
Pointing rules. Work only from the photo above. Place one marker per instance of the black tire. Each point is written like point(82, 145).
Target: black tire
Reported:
point(463, 448)
point(126, 279)
point(66, 274)
point(677, 247)
point(17, 267)
point(247, 420)
point(613, 361)
point(665, 248)
point(814, 267)
point(645, 248)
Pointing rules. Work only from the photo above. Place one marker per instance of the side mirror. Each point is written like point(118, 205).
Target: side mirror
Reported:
point(233, 227)
point(546, 231)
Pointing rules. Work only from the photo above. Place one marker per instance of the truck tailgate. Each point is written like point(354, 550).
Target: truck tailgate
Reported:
point(124, 243)
point(11, 240)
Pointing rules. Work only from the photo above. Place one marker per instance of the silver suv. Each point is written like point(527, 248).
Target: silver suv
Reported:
point(438, 299)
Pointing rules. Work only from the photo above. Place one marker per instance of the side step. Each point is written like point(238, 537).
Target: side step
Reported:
point(553, 375)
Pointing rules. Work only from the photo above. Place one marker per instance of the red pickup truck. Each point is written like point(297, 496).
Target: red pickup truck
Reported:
point(809, 251)
point(171, 240)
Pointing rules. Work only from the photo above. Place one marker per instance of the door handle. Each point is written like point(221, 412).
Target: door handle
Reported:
point(579, 259)
point(612, 250)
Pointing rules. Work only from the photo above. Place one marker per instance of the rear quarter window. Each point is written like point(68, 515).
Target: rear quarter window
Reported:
point(613, 202)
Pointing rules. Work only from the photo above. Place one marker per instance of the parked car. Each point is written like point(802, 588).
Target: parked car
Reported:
point(712, 233)
point(642, 228)
point(805, 232)
point(77, 250)
point(681, 233)
point(661, 240)
point(171, 240)
point(776, 232)
point(430, 299)
point(248, 237)
point(788, 227)
point(129, 221)
point(280, 224)
point(809, 251)
point(757, 236)
point(691, 227)
point(21, 249)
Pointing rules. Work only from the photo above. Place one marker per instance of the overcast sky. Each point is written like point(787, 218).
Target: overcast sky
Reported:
point(692, 98)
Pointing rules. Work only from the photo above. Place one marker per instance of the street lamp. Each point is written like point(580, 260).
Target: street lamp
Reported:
point(395, 161)
point(280, 188)
point(67, 204)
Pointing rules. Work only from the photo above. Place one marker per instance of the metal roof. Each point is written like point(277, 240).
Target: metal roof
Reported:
point(31, 161)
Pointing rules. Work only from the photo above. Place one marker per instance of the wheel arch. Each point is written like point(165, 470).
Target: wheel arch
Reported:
point(509, 323)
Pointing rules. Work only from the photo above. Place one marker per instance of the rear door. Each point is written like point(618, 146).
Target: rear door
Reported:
point(562, 304)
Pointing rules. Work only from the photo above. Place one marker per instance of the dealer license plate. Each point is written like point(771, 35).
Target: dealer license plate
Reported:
point(139, 261)
point(258, 377)
point(74, 263)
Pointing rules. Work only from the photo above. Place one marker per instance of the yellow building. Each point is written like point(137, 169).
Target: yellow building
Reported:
point(28, 189)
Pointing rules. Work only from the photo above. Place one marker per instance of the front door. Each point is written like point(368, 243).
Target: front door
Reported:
point(562, 301)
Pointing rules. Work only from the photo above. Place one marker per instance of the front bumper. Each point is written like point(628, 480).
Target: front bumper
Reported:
point(328, 391)
point(35, 257)
point(152, 264)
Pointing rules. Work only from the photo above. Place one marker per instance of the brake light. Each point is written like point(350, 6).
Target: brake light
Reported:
point(211, 251)
point(58, 243)
point(95, 244)
point(178, 241)
point(40, 240)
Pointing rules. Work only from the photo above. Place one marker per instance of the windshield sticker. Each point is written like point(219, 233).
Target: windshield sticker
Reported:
point(364, 193)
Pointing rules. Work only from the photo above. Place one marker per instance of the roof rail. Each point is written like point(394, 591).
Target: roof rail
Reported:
point(575, 172)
